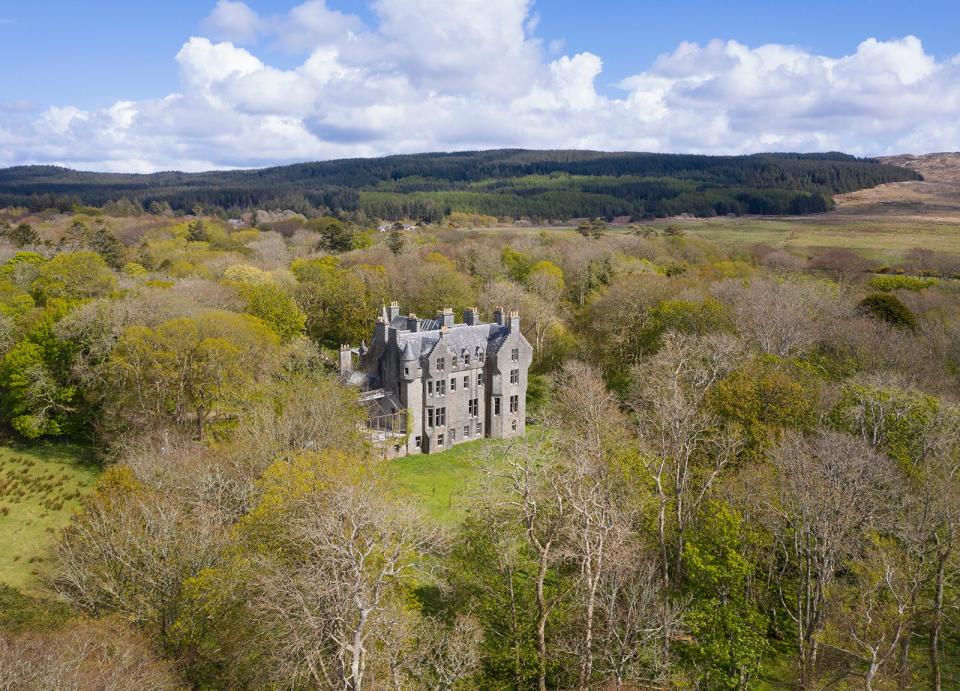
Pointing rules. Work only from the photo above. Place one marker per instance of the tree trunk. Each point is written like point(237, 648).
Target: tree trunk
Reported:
point(937, 624)
point(542, 611)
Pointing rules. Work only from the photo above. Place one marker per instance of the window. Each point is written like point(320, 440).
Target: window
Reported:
point(429, 417)
point(453, 361)
point(514, 355)
point(496, 405)
point(406, 371)
point(513, 425)
point(439, 440)
point(441, 417)
point(479, 428)
point(466, 383)
point(474, 407)
point(514, 404)
point(479, 378)
point(453, 383)
point(466, 431)
point(453, 434)
point(429, 388)
point(442, 387)
point(418, 441)
point(441, 364)
point(514, 376)
point(466, 358)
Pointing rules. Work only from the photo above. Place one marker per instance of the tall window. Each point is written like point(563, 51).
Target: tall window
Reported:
point(441, 417)
point(466, 382)
point(514, 376)
point(442, 387)
point(453, 383)
point(514, 355)
point(514, 404)
point(430, 417)
point(496, 405)
point(429, 388)
point(453, 434)
point(474, 407)
point(479, 378)
point(479, 428)
point(441, 364)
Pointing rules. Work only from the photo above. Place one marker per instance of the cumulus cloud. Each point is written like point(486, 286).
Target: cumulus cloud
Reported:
point(430, 75)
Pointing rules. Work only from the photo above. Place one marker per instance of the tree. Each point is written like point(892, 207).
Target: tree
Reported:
point(23, 235)
point(396, 242)
point(682, 443)
point(188, 370)
point(348, 551)
point(830, 490)
point(781, 316)
point(276, 308)
point(104, 243)
point(889, 308)
point(73, 276)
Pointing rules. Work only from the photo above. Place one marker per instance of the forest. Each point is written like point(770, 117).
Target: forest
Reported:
point(740, 472)
point(512, 184)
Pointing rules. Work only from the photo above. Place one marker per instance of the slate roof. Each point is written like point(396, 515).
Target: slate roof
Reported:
point(461, 338)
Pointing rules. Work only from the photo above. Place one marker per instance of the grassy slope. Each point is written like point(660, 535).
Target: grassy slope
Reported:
point(444, 484)
point(40, 489)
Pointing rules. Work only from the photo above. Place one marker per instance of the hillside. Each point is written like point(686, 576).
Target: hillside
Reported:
point(937, 196)
point(505, 183)
point(941, 167)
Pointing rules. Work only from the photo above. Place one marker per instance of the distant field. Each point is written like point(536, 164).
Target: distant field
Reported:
point(40, 488)
point(884, 239)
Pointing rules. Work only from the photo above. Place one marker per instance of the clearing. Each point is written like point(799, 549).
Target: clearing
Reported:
point(40, 488)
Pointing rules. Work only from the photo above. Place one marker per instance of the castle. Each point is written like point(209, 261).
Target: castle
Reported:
point(433, 383)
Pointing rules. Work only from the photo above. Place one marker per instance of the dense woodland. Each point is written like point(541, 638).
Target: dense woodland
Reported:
point(514, 184)
point(742, 469)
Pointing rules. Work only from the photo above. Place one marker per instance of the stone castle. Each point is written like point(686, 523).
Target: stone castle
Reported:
point(432, 383)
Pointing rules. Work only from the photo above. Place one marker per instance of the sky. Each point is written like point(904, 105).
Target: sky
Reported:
point(139, 86)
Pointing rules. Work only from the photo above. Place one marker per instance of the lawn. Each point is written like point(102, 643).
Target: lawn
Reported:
point(40, 488)
point(444, 484)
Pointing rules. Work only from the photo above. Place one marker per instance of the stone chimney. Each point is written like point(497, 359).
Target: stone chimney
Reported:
point(394, 310)
point(346, 360)
point(380, 331)
point(498, 316)
point(470, 316)
point(445, 317)
point(514, 325)
point(413, 324)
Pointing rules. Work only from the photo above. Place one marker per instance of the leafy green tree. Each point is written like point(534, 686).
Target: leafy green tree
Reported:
point(276, 307)
point(395, 242)
point(104, 243)
point(73, 276)
point(728, 631)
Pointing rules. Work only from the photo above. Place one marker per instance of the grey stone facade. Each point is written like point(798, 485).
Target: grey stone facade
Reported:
point(452, 382)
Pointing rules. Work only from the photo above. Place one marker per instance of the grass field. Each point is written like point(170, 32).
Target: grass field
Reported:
point(40, 488)
point(444, 484)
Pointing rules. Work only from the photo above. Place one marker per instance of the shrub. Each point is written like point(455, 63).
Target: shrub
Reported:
point(890, 283)
point(888, 307)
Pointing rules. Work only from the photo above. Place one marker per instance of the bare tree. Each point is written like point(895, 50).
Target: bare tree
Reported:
point(350, 550)
point(829, 490)
point(683, 446)
point(103, 655)
point(781, 316)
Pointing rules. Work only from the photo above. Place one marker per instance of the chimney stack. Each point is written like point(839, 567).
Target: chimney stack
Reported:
point(514, 322)
point(394, 310)
point(346, 360)
point(498, 316)
point(413, 324)
point(445, 317)
point(470, 316)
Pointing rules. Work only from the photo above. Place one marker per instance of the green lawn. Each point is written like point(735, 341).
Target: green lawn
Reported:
point(40, 488)
point(444, 484)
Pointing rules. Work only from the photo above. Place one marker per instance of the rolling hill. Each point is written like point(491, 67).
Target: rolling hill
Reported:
point(505, 183)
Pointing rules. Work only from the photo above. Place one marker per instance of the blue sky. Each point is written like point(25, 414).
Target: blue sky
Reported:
point(541, 66)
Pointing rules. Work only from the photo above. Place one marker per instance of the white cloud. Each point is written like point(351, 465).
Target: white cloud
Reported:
point(432, 75)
